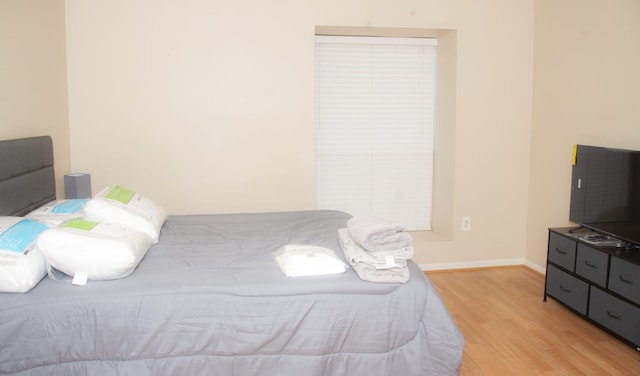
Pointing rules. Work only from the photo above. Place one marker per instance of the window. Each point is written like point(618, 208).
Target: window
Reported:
point(375, 102)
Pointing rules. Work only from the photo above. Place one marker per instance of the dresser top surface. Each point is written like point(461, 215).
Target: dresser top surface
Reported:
point(631, 254)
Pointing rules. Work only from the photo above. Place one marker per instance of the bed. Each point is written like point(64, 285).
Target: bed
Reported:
point(209, 299)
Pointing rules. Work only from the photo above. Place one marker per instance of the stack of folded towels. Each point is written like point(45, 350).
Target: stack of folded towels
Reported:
point(377, 249)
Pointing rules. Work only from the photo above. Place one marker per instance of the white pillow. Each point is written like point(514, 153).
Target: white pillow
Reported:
point(55, 213)
point(118, 204)
point(21, 265)
point(297, 260)
point(88, 249)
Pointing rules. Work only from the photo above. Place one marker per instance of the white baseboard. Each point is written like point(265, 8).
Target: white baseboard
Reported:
point(482, 264)
point(535, 267)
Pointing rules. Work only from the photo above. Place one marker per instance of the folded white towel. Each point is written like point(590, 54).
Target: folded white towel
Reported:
point(370, 268)
point(390, 260)
point(366, 273)
point(378, 235)
point(299, 260)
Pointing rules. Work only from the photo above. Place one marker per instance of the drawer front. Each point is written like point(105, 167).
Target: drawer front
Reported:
point(616, 315)
point(568, 289)
point(562, 251)
point(624, 279)
point(592, 264)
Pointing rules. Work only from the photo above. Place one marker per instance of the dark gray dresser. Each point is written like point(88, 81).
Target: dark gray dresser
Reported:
point(599, 283)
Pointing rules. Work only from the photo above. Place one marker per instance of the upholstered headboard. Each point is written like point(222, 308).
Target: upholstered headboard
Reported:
point(27, 179)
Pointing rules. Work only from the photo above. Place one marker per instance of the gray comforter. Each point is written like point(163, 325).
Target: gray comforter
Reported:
point(208, 299)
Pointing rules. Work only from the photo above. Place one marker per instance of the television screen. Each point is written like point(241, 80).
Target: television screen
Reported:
point(605, 191)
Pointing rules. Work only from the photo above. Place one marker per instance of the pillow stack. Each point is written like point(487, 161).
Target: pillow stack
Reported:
point(101, 238)
point(118, 204)
point(55, 213)
point(21, 265)
point(107, 239)
point(87, 249)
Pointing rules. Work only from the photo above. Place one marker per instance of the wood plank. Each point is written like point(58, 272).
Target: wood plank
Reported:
point(510, 330)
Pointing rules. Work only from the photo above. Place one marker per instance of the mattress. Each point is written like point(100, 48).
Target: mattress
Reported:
point(208, 298)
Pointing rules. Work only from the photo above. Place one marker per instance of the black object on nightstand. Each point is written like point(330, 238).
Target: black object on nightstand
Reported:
point(77, 186)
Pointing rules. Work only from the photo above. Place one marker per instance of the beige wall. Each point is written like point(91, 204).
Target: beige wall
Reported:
point(169, 99)
point(586, 91)
point(33, 87)
point(209, 106)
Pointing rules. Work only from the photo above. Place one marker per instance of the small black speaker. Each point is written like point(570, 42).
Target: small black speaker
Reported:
point(77, 186)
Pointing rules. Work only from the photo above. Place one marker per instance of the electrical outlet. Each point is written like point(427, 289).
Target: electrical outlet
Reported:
point(466, 224)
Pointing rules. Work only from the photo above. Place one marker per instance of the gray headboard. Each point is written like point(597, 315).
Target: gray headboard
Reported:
point(27, 179)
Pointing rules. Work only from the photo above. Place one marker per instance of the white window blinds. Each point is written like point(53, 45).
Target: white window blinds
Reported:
point(374, 127)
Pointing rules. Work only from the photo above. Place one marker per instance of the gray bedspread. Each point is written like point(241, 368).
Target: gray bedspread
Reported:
point(208, 299)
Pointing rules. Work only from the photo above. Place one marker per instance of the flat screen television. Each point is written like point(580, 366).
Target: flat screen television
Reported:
point(605, 191)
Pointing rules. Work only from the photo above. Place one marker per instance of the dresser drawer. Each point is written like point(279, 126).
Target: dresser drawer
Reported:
point(624, 279)
point(616, 315)
point(592, 264)
point(567, 289)
point(562, 251)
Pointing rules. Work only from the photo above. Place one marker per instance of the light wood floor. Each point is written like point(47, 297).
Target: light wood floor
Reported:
point(509, 330)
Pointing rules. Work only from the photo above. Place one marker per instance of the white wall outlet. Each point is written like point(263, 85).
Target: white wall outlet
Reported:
point(466, 224)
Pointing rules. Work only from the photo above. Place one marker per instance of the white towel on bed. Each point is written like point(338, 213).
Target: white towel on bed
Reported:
point(378, 235)
point(367, 273)
point(372, 268)
point(389, 260)
point(301, 260)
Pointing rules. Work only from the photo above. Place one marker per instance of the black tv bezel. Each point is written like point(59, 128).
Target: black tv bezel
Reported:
point(593, 226)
